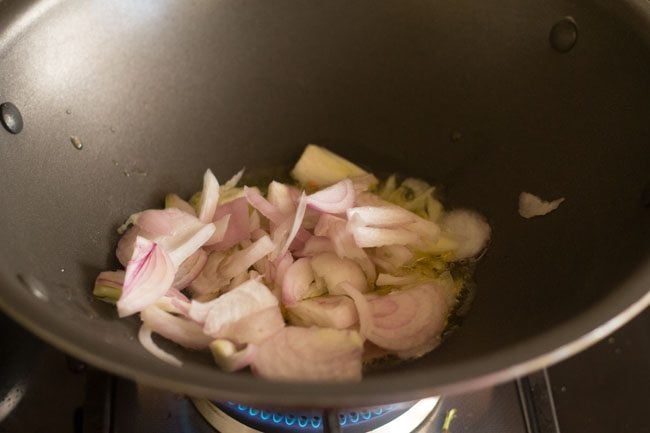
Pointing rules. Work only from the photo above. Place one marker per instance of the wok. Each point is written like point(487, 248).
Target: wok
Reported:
point(484, 98)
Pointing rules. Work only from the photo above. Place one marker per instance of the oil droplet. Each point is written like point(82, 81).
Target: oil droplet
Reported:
point(563, 389)
point(62, 270)
point(112, 129)
point(11, 118)
point(611, 340)
point(115, 163)
point(564, 35)
point(76, 142)
point(68, 111)
point(456, 136)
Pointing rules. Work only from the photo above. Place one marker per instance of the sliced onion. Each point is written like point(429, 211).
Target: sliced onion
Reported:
point(428, 231)
point(209, 197)
point(333, 199)
point(279, 195)
point(336, 312)
point(124, 249)
point(401, 321)
point(470, 230)
point(240, 261)
point(174, 302)
point(161, 222)
point(257, 235)
point(149, 274)
point(172, 305)
point(299, 241)
point(236, 281)
point(144, 336)
point(396, 255)
point(310, 355)
point(254, 221)
point(233, 181)
point(249, 298)
point(181, 247)
point(531, 206)
point(199, 310)
point(172, 200)
point(311, 219)
point(281, 268)
point(383, 265)
point(316, 245)
point(334, 270)
point(382, 216)
point(297, 279)
point(114, 279)
point(369, 237)
point(208, 280)
point(327, 223)
point(346, 247)
point(297, 221)
point(190, 269)
point(263, 206)
point(220, 229)
point(364, 182)
point(179, 233)
point(238, 227)
point(392, 280)
point(254, 328)
point(229, 358)
point(370, 199)
point(181, 331)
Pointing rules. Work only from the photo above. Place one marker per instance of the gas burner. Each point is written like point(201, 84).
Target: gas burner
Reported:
point(227, 417)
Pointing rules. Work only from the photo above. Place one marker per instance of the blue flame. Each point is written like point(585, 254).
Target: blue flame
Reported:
point(304, 422)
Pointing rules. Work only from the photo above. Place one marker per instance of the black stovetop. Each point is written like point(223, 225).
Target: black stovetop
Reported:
point(601, 390)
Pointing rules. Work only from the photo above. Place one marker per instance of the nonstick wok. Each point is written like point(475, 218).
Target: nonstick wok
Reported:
point(484, 98)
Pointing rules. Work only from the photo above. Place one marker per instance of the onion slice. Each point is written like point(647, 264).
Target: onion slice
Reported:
point(240, 261)
point(335, 270)
point(190, 269)
point(382, 216)
point(209, 197)
point(182, 331)
point(245, 300)
point(263, 206)
point(149, 274)
point(336, 312)
point(144, 336)
point(297, 221)
point(253, 328)
point(402, 321)
point(296, 281)
point(333, 199)
point(238, 227)
point(233, 181)
point(369, 237)
point(208, 280)
point(179, 233)
point(229, 358)
point(469, 229)
point(310, 355)
point(173, 200)
point(220, 230)
point(531, 206)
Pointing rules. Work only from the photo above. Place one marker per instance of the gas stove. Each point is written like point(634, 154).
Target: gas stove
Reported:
point(604, 389)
